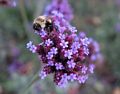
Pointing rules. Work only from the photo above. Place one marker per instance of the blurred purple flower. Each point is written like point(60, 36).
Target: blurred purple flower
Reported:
point(61, 8)
point(117, 27)
point(95, 50)
point(15, 66)
point(84, 69)
point(91, 68)
point(82, 79)
point(11, 3)
point(86, 50)
point(117, 2)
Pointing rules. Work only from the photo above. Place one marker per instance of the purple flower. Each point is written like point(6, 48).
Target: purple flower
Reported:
point(64, 80)
point(48, 42)
point(64, 44)
point(14, 4)
point(117, 2)
point(75, 45)
point(62, 36)
point(15, 66)
point(59, 66)
point(72, 77)
point(86, 50)
point(74, 50)
point(96, 46)
point(68, 54)
point(82, 34)
point(84, 69)
point(50, 63)
point(31, 47)
point(61, 30)
point(43, 33)
point(73, 29)
point(91, 68)
point(85, 41)
point(76, 39)
point(56, 13)
point(57, 23)
point(42, 74)
point(54, 50)
point(49, 55)
point(82, 79)
point(93, 57)
point(65, 77)
point(60, 8)
point(29, 44)
point(71, 64)
point(9, 3)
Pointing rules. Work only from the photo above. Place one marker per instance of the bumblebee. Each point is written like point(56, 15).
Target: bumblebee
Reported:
point(43, 22)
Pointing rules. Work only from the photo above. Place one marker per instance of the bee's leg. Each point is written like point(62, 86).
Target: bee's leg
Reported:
point(50, 28)
point(47, 29)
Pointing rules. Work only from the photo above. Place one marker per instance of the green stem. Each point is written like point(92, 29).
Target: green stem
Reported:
point(27, 87)
point(24, 18)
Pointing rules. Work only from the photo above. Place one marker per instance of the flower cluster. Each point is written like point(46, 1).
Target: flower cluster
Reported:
point(61, 6)
point(94, 51)
point(64, 53)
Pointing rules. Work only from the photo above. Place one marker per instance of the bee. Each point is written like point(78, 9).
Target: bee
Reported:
point(43, 22)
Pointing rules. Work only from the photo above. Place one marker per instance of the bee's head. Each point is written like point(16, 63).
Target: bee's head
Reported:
point(36, 26)
point(42, 21)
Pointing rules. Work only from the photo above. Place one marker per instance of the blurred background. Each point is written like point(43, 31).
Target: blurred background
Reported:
point(100, 19)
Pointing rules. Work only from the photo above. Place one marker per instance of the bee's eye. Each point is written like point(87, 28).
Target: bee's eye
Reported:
point(36, 26)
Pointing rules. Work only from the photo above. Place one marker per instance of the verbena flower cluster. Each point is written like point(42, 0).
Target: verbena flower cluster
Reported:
point(69, 56)
point(61, 6)
point(64, 53)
